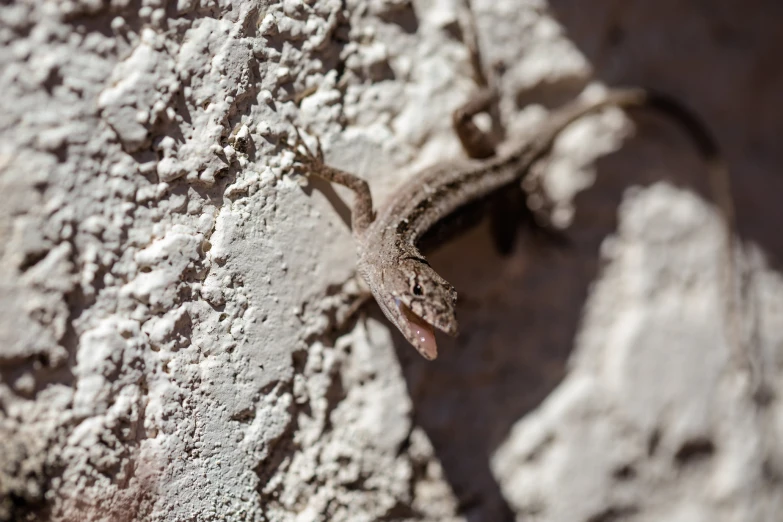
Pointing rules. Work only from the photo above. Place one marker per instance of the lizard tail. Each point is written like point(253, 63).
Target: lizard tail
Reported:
point(702, 138)
point(673, 108)
point(720, 184)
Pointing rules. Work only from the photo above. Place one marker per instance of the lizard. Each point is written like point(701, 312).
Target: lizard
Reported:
point(411, 294)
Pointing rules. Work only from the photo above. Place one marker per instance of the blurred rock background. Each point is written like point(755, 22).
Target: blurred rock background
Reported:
point(168, 348)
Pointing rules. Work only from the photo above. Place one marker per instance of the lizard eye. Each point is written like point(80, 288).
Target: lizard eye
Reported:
point(417, 289)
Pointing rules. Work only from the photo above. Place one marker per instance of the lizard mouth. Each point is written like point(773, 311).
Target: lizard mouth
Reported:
point(421, 334)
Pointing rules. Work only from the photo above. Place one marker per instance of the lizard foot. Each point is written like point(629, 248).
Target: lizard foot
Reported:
point(303, 154)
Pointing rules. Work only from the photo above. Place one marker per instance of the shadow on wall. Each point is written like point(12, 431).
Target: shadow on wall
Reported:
point(720, 58)
point(519, 315)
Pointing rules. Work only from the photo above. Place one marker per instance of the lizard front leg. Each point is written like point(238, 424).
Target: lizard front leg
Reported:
point(313, 162)
point(354, 292)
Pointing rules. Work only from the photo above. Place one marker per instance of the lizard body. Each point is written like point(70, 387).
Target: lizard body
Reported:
point(409, 292)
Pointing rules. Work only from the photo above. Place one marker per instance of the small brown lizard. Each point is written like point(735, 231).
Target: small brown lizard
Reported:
point(411, 294)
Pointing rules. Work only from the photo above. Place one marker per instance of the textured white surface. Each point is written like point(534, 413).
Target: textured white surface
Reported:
point(169, 292)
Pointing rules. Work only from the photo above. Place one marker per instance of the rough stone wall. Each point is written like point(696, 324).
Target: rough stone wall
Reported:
point(168, 341)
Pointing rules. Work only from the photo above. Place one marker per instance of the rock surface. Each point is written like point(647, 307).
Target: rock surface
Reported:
point(169, 348)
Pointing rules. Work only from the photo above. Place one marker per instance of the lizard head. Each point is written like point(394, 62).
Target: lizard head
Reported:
point(417, 300)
